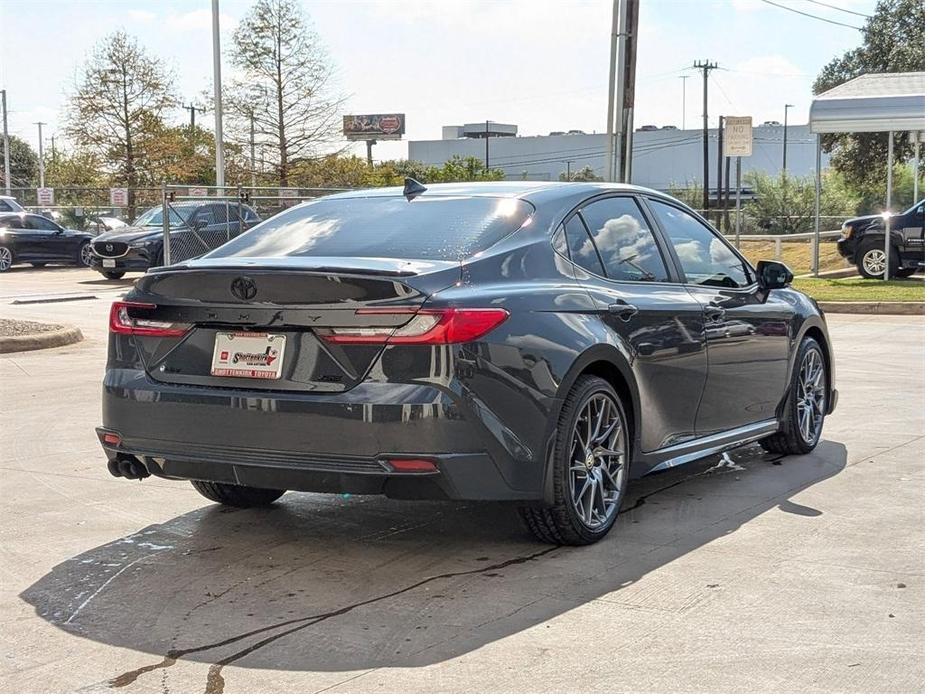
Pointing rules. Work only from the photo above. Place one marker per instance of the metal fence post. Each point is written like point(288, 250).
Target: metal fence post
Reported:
point(889, 204)
point(240, 212)
point(818, 197)
point(165, 217)
point(778, 249)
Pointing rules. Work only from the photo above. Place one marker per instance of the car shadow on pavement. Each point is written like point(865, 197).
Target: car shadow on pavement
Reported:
point(334, 583)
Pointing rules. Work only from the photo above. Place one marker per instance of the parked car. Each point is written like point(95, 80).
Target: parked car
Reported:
point(646, 128)
point(9, 204)
point(535, 342)
point(862, 243)
point(32, 238)
point(195, 226)
point(105, 223)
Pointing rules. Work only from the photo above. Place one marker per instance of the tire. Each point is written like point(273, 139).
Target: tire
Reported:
point(792, 438)
point(6, 258)
point(905, 272)
point(236, 495)
point(84, 255)
point(38, 264)
point(603, 470)
point(870, 256)
point(113, 274)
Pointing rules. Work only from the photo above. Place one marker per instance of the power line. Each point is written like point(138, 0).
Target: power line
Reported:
point(811, 16)
point(840, 9)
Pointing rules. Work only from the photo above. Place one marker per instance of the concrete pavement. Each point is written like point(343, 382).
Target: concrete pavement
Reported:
point(771, 574)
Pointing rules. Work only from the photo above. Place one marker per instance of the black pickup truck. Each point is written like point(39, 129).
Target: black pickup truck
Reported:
point(862, 239)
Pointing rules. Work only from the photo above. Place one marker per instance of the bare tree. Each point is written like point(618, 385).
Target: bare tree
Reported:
point(285, 85)
point(117, 104)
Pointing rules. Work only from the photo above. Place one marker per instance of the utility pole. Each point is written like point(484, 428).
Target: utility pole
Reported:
point(787, 107)
point(684, 101)
point(616, 101)
point(217, 79)
point(705, 66)
point(631, 25)
point(486, 145)
point(41, 157)
point(719, 167)
point(6, 146)
point(192, 108)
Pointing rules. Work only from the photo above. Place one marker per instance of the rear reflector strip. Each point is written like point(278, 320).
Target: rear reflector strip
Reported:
point(426, 327)
point(129, 318)
point(411, 465)
point(112, 439)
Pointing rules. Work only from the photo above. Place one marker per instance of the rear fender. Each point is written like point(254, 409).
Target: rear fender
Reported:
point(607, 354)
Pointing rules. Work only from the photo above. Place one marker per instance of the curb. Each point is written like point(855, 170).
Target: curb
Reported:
point(883, 308)
point(831, 274)
point(66, 335)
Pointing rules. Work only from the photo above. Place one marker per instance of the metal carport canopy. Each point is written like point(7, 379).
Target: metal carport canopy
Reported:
point(881, 102)
point(878, 102)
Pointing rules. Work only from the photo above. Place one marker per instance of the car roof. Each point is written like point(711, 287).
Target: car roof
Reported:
point(527, 190)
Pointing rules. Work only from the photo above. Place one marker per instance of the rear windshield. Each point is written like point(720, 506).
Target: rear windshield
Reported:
point(434, 228)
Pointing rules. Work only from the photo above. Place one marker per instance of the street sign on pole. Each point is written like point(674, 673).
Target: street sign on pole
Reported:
point(738, 136)
point(118, 197)
point(45, 196)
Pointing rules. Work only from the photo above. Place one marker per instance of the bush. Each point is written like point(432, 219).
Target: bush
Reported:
point(786, 204)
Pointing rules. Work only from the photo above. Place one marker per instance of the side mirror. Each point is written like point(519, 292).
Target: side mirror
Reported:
point(773, 275)
point(200, 224)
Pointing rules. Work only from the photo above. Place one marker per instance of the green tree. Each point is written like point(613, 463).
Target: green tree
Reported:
point(117, 107)
point(24, 164)
point(585, 174)
point(893, 41)
point(285, 85)
point(74, 169)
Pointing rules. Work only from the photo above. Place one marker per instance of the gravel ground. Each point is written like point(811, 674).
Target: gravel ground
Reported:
point(11, 328)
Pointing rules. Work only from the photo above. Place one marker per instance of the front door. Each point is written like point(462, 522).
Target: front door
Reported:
point(651, 315)
point(747, 328)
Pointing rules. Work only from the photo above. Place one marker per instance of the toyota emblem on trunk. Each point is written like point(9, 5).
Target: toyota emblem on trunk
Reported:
point(244, 288)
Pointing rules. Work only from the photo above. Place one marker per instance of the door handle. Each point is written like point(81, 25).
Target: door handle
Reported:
point(714, 313)
point(622, 309)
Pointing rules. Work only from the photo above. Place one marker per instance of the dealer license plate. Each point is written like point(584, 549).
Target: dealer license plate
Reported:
point(248, 355)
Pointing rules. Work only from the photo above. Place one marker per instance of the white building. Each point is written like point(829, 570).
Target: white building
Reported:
point(661, 158)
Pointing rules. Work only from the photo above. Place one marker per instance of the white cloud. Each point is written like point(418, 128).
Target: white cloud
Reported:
point(769, 65)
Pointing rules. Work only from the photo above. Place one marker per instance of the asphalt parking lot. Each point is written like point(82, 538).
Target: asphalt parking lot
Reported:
point(766, 574)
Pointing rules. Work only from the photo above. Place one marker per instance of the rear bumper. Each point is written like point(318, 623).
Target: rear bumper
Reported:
point(337, 443)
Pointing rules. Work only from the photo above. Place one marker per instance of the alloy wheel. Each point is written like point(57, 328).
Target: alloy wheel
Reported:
point(6, 259)
point(874, 261)
point(85, 254)
point(811, 396)
point(597, 465)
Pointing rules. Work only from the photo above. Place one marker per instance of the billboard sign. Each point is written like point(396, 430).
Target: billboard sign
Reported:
point(376, 126)
point(737, 138)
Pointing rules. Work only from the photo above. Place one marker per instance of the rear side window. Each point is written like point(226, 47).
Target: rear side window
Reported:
point(427, 227)
point(5, 206)
point(624, 240)
point(581, 248)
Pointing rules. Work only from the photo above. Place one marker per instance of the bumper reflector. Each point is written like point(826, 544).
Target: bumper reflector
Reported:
point(411, 465)
point(112, 439)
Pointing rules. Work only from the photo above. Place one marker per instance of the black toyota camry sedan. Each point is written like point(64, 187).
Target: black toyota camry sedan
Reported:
point(32, 238)
point(536, 342)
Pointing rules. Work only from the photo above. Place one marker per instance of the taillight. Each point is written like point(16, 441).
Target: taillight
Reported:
point(437, 326)
point(130, 318)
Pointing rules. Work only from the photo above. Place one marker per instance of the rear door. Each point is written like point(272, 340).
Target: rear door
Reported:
point(642, 301)
point(748, 330)
point(40, 241)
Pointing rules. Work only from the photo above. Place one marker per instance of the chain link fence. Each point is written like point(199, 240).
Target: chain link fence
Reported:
point(199, 219)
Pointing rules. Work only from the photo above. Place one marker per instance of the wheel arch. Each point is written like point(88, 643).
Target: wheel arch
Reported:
point(606, 362)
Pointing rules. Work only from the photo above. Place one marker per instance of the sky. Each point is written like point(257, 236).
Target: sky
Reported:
point(541, 64)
